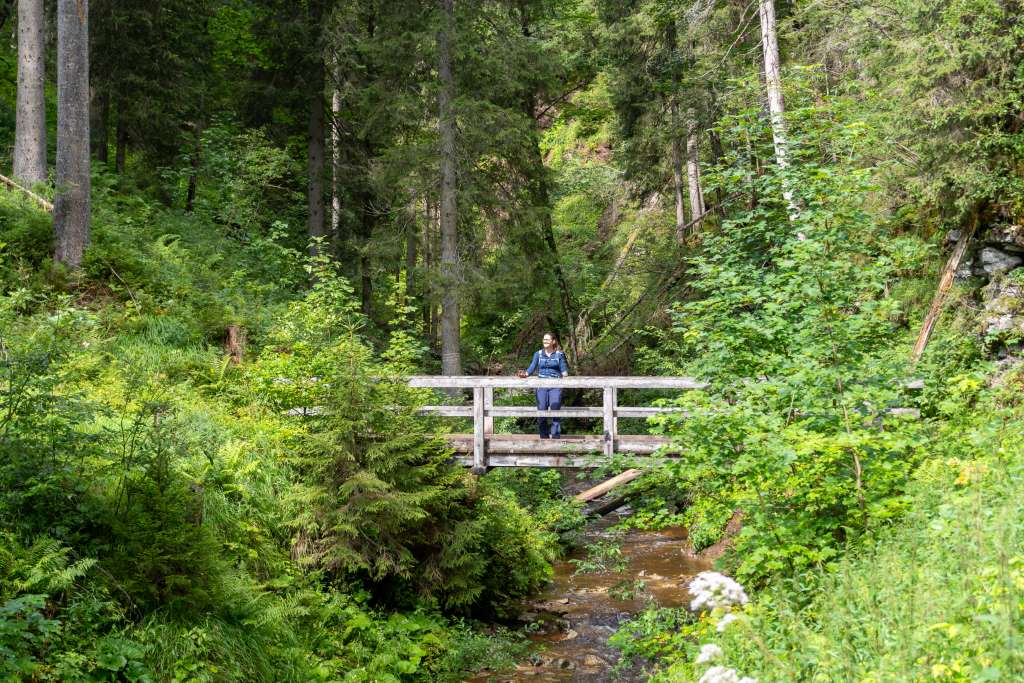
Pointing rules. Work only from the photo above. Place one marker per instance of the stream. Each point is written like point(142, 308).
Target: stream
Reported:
point(577, 613)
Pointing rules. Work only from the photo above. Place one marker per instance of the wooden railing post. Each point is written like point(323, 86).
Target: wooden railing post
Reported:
point(610, 427)
point(488, 418)
point(479, 441)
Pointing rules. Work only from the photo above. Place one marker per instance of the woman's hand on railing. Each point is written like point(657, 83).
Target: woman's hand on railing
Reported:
point(522, 374)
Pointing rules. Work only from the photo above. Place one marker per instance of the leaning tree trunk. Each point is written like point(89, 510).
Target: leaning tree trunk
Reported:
point(71, 204)
point(697, 207)
point(451, 275)
point(30, 128)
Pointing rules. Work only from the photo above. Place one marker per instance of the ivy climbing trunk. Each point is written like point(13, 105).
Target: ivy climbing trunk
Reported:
point(451, 272)
point(30, 127)
point(71, 213)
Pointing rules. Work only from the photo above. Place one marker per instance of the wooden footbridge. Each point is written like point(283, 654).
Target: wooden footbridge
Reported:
point(484, 449)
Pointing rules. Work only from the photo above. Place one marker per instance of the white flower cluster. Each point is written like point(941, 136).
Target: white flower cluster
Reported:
point(711, 590)
point(724, 622)
point(709, 652)
point(721, 674)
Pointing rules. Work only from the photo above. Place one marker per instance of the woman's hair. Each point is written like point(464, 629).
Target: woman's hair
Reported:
point(554, 336)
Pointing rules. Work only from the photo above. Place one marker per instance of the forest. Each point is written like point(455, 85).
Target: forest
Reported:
point(231, 230)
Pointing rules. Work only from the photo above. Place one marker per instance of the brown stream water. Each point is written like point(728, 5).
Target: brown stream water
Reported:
point(577, 613)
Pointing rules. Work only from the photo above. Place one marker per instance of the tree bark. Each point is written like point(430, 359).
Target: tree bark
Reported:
point(30, 128)
point(411, 238)
point(120, 140)
point(71, 214)
point(451, 270)
point(336, 156)
point(101, 116)
point(677, 175)
point(671, 42)
point(193, 176)
point(697, 207)
point(773, 80)
point(315, 168)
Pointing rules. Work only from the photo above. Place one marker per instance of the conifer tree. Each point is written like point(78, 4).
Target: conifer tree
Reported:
point(72, 205)
point(30, 131)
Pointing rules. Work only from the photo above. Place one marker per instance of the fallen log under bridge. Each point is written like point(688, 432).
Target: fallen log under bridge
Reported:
point(483, 448)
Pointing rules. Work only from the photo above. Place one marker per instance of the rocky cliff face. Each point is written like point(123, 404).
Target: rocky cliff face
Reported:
point(996, 259)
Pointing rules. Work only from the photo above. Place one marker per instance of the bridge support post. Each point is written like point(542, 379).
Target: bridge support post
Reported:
point(479, 438)
point(611, 427)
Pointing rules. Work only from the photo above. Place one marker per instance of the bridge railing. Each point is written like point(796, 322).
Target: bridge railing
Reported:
point(483, 411)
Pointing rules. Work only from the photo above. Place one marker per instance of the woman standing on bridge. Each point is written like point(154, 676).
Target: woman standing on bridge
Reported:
point(548, 362)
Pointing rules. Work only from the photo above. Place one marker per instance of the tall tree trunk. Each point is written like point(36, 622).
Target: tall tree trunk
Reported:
point(193, 176)
point(451, 270)
point(30, 128)
point(717, 153)
point(671, 41)
point(71, 212)
point(677, 175)
point(315, 168)
point(411, 238)
point(428, 267)
point(336, 156)
point(101, 117)
point(773, 80)
point(693, 175)
point(120, 140)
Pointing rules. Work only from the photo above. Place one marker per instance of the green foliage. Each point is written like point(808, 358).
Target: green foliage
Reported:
point(792, 327)
point(942, 592)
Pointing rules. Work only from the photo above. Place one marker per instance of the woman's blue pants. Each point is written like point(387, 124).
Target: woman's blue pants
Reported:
point(549, 399)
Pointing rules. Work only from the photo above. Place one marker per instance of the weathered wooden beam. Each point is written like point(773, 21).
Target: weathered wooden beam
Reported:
point(516, 411)
point(488, 408)
point(537, 460)
point(609, 423)
point(479, 441)
point(526, 411)
point(641, 444)
point(582, 382)
point(606, 486)
point(447, 411)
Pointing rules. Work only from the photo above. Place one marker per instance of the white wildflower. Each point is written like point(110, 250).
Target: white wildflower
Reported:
point(709, 652)
point(711, 590)
point(747, 679)
point(720, 674)
point(724, 622)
